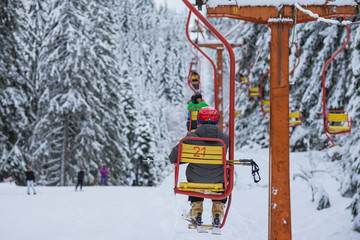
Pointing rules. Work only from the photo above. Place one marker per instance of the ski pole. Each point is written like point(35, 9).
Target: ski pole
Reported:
point(151, 160)
point(248, 162)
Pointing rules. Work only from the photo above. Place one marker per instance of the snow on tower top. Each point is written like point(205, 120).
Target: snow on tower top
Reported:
point(216, 3)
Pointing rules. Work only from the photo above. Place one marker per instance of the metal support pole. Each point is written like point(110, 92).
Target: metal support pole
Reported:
point(279, 176)
point(219, 85)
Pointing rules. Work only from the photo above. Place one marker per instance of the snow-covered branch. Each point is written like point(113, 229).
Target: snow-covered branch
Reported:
point(321, 19)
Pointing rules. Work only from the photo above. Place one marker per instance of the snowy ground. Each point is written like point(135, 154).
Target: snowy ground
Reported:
point(132, 213)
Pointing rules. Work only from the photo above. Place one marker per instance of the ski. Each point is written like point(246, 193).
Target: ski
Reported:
point(200, 228)
point(193, 225)
point(216, 230)
point(216, 225)
point(207, 227)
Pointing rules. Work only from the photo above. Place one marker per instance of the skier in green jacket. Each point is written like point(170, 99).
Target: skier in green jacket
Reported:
point(193, 107)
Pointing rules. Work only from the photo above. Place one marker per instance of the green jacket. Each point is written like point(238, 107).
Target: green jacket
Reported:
point(95, 173)
point(201, 104)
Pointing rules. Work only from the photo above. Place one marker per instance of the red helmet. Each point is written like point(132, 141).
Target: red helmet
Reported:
point(208, 115)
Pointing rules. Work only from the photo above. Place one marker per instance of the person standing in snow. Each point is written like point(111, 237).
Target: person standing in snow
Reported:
point(193, 107)
point(95, 173)
point(208, 118)
point(150, 182)
point(133, 178)
point(80, 179)
point(30, 180)
point(103, 172)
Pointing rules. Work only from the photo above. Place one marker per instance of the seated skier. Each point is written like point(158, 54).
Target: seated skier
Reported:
point(195, 80)
point(208, 118)
point(193, 107)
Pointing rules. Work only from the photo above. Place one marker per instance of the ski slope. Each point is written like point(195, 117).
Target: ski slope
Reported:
point(154, 213)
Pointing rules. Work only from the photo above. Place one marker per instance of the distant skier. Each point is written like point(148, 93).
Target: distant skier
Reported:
point(150, 182)
point(30, 180)
point(80, 179)
point(103, 172)
point(208, 118)
point(95, 174)
point(133, 178)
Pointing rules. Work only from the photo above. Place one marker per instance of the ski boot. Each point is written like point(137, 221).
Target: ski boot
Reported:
point(196, 212)
point(195, 215)
point(217, 216)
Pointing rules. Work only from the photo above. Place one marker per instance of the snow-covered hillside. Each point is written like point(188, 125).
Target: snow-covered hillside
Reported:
point(154, 213)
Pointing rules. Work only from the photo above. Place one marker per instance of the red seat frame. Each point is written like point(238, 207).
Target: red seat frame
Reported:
point(228, 172)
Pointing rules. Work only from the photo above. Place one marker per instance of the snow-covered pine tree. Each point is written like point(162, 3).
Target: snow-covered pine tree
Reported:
point(148, 38)
point(34, 29)
point(130, 115)
point(347, 154)
point(164, 83)
point(107, 69)
point(77, 124)
point(14, 107)
point(178, 77)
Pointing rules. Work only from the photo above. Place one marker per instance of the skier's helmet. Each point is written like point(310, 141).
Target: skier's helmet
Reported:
point(195, 96)
point(208, 115)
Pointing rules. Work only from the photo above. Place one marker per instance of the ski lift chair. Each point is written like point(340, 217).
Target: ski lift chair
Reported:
point(244, 80)
point(254, 92)
point(195, 80)
point(238, 114)
point(266, 106)
point(339, 121)
point(200, 154)
point(295, 118)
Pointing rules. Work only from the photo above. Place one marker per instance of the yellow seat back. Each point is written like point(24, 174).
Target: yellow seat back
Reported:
point(266, 102)
point(294, 114)
point(194, 115)
point(201, 154)
point(338, 117)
